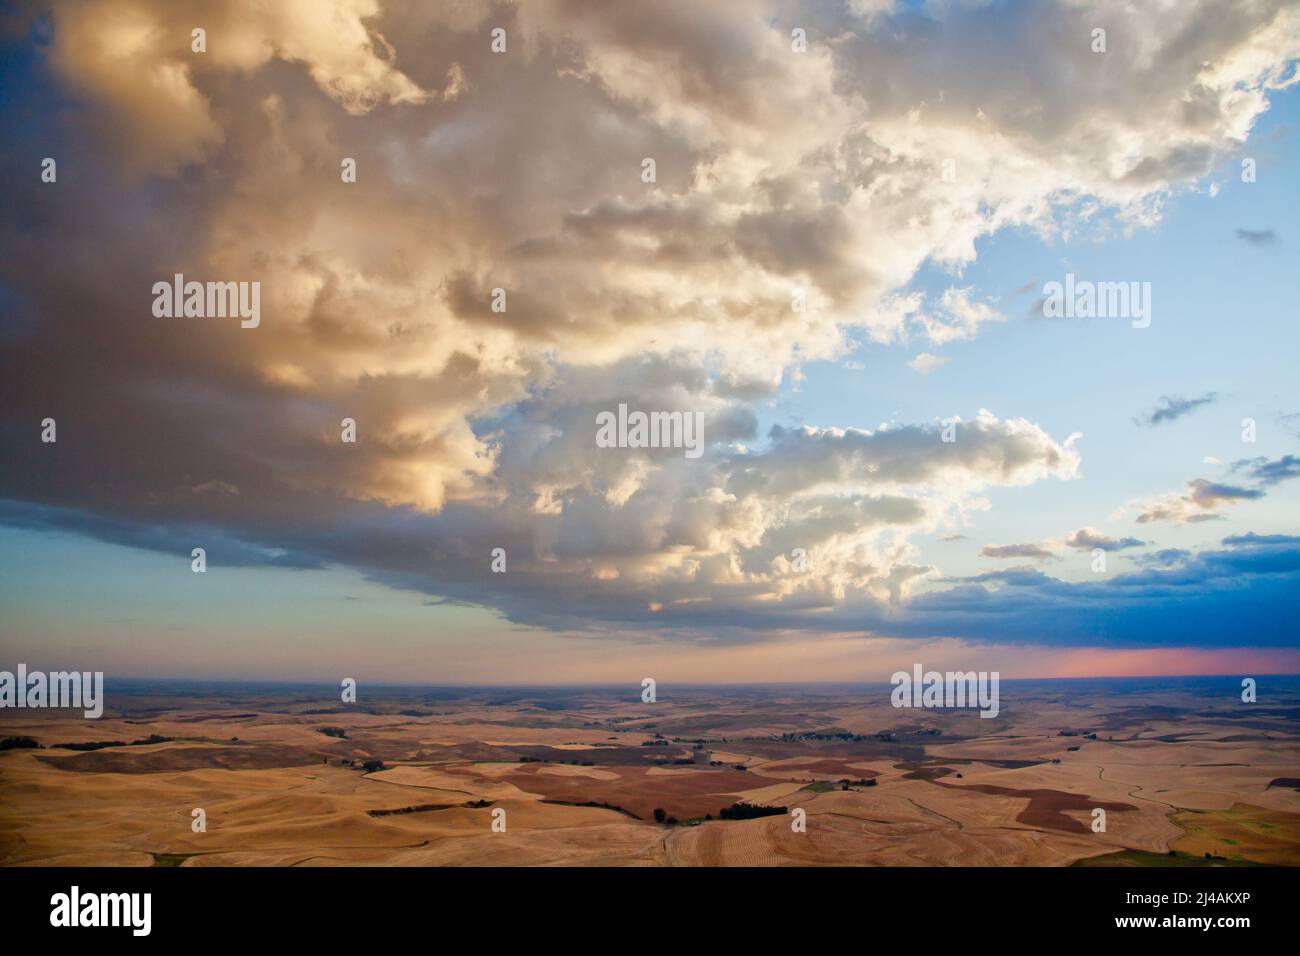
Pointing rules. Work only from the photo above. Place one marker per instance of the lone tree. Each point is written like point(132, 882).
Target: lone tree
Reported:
point(660, 815)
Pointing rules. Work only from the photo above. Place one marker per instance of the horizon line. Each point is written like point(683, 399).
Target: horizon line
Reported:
point(311, 682)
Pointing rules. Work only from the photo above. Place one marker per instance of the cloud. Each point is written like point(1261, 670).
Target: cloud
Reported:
point(1203, 496)
point(1197, 505)
point(1268, 472)
point(596, 536)
point(1209, 494)
point(1258, 238)
point(1173, 407)
point(1243, 594)
point(955, 317)
point(1017, 551)
point(136, 58)
point(1164, 558)
point(522, 171)
point(1087, 539)
point(1263, 540)
point(925, 363)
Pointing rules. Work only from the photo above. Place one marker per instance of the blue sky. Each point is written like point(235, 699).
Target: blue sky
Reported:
point(1224, 321)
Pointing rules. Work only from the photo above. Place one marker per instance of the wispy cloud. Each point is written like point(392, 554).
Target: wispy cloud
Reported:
point(1035, 551)
point(925, 363)
point(1088, 539)
point(1258, 237)
point(1270, 472)
point(1173, 407)
point(1197, 505)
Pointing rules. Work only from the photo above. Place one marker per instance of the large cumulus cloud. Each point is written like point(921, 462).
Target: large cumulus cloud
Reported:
point(816, 176)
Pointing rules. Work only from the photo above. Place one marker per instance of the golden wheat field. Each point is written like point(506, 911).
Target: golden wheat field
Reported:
point(1185, 774)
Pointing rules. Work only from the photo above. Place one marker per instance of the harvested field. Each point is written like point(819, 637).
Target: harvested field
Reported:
point(580, 783)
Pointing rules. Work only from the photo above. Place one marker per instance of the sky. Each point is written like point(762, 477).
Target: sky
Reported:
point(840, 262)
